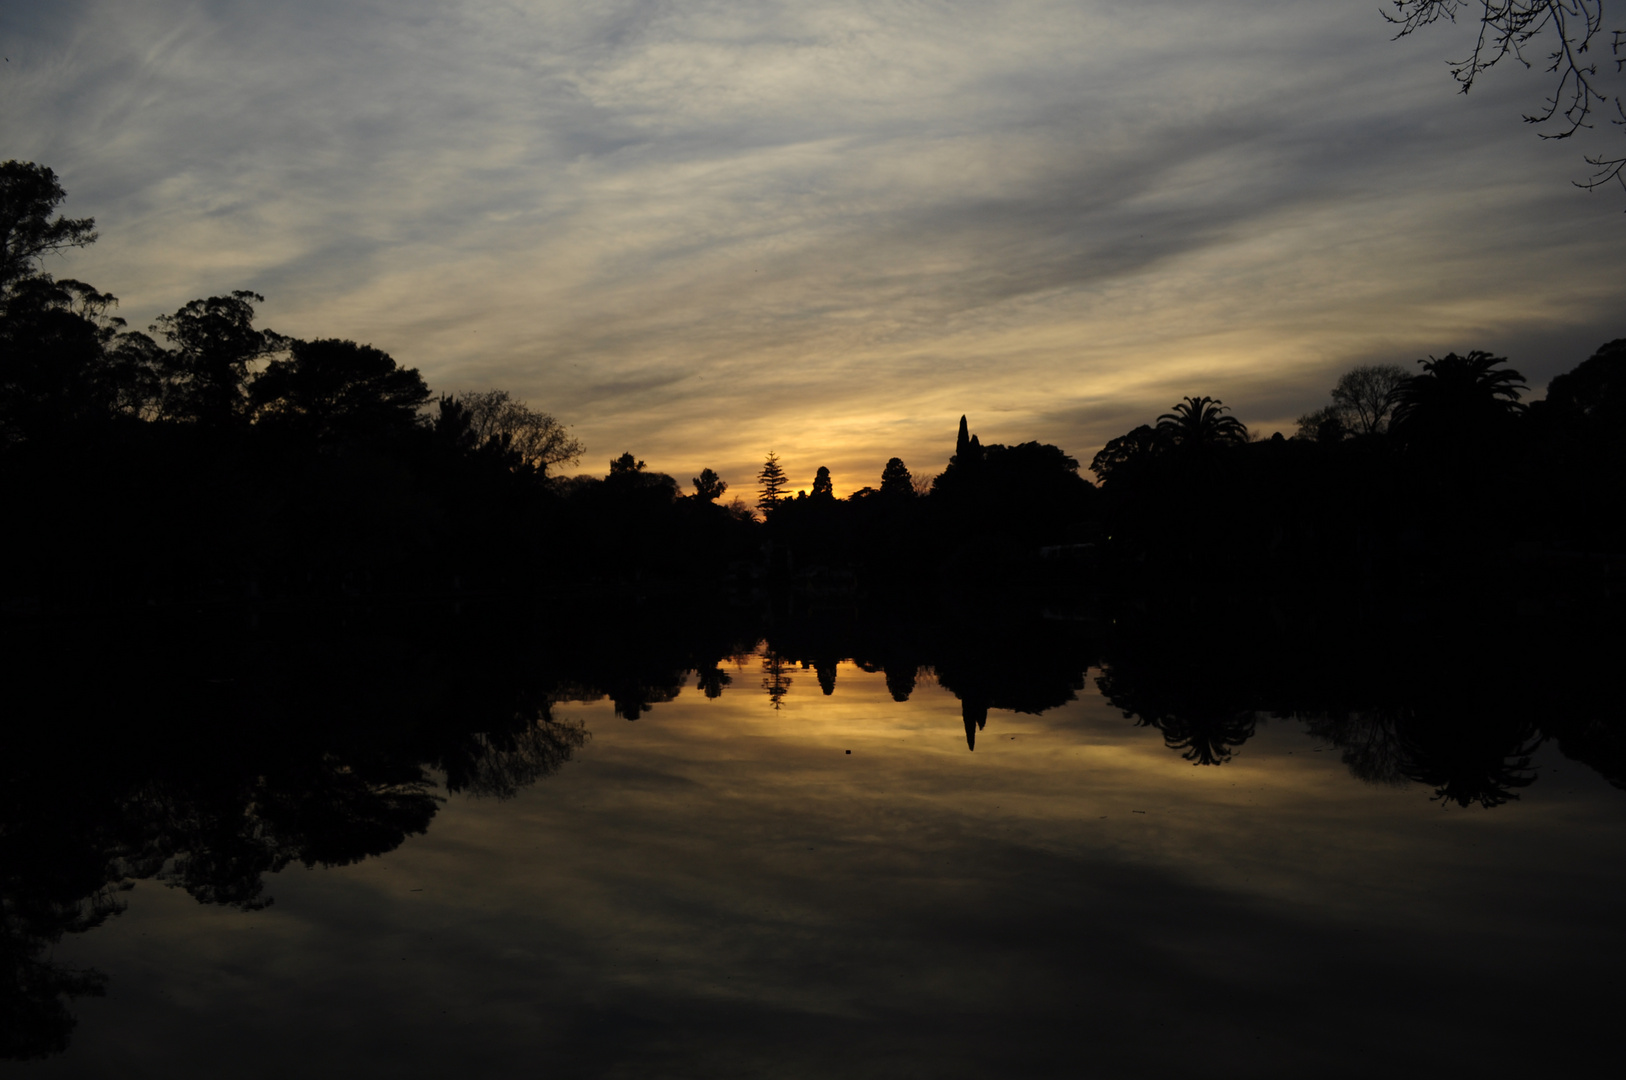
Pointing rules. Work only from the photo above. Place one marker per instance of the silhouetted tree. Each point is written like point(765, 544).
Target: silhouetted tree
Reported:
point(1129, 453)
point(29, 194)
point(338, 387)
point(60, 362)
point(1596, 389)
point(533, 439)
point(771, 483)
point(1328, 424)
point(823, 487)
point(896, 481)
point(1364, 396)
point(1200, 422)
point(967, 450)
point(708, 486)
point(63, 363)
point(1457, 399)
point(625, 465)
point(206, 371)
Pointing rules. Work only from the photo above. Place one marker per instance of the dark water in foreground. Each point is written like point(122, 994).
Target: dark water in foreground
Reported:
point(779, 881)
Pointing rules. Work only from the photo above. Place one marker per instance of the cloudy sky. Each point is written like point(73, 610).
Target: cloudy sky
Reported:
point(700, 230)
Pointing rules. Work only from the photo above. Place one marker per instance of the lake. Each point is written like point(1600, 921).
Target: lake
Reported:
point(750, 857)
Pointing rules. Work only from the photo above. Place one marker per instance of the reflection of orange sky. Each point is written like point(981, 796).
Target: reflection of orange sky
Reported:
point(718, 855)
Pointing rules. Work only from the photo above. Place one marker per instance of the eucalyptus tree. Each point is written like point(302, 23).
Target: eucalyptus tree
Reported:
point(29, 195)
point(213, 342)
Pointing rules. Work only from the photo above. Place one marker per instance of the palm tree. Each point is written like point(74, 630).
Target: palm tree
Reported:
point(1456, 397)
point(1199, 422)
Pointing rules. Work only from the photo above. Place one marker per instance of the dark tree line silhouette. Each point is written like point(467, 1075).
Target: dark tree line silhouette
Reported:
point(1407, 484)
point(209, 459)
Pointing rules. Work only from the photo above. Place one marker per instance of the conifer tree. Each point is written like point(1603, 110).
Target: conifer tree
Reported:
point(895, 479)
point(772, 484)
point(823, 486)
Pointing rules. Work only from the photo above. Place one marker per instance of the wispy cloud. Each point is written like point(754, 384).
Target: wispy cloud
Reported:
point(697, 230)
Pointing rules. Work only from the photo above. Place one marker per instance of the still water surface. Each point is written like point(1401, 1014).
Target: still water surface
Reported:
point(840, 886)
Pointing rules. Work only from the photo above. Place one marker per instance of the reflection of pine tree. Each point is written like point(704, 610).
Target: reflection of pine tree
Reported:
point(772, 484)
point(775, 677)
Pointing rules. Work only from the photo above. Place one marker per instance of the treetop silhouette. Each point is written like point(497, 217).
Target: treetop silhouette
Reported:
point(708, 486)
point(896, 482)
point(1198, 423)
point(1456, 397)
point(823, 486)
point(29, 194)
point(335, 386)
point(771, 484)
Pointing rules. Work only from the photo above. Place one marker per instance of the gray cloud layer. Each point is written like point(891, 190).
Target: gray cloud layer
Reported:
point(697, 230)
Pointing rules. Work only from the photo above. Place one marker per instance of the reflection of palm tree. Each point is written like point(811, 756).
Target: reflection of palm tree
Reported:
point(1199, 422)
point(1480, 762)
point(1204, 738)
point(1195, 714)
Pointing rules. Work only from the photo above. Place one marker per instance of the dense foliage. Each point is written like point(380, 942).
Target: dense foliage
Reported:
point(212, 459)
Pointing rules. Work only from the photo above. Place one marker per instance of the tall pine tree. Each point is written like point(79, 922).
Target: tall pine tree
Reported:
point(771, 481)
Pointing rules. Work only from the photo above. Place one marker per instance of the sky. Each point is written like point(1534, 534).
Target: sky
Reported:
point(699, 231)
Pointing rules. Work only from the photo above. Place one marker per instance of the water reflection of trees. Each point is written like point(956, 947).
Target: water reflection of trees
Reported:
point(1015, 662)
point(208, 760)
point(1427, 705)
point(208, 757)
point(776, 678)
point(1200, 717)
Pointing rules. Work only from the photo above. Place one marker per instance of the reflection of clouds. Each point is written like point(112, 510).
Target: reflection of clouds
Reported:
point(835, 225)
point(720, 886)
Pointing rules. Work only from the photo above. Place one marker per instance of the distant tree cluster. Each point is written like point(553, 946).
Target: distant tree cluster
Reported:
point(1431, 472)
point(208, 458)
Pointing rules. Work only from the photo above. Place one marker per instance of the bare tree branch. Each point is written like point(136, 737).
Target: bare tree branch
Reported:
point(1507, 28)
